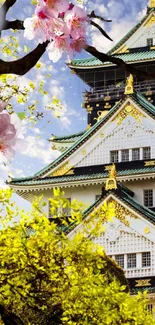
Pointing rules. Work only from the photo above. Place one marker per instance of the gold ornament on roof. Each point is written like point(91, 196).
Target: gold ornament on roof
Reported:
point(129, 85)
point(143, 283)
point(60, 171)
point(150, 21)
point(147, 230)
point(152, 4)
point(129, 110)
point(111, 181)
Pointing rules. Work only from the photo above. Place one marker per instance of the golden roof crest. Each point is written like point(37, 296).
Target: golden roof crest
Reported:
point(152, 4)
point(129, 85)
point(111, 181)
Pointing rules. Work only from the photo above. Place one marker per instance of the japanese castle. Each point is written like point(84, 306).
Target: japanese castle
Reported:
point(113, 160)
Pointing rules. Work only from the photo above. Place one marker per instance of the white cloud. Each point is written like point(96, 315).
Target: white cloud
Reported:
point(40, 149)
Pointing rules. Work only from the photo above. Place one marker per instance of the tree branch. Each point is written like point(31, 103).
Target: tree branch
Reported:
point(23, 65)
point(3, 11)
point(119, 62)
point(93, 15)
point(6, 6)
point(100, 29)
point(16, 24)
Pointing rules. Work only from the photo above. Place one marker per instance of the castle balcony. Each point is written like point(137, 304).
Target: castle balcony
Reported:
point(113, 93)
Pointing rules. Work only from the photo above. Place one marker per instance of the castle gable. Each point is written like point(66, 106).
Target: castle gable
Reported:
point(130, 128)
point(125, 124)
point(129, 237)
point(139, 36)
point(128, 120)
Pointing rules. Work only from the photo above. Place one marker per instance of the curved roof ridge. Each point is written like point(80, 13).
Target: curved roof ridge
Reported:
point(67, 137)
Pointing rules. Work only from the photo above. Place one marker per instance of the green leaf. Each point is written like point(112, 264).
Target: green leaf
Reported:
point(21, 115)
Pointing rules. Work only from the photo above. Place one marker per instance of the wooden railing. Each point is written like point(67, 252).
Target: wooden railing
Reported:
point(116, 91)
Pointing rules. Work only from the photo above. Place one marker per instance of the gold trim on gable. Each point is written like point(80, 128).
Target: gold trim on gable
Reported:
point(123, 49)
point(60, 171)
point(128, 110)
point(120, 212)
point(150, 21)
point(152, 4)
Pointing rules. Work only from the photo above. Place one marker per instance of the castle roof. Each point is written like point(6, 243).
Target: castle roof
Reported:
point(92, 62)
point(125, 49)
point(47, 176)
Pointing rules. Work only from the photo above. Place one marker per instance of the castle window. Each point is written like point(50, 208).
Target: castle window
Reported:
point(131, 261)
point(149, 41)
point(136, 154)
point(125, 155)
point(150, 308)
point(120, 260)
point(148, 198)
point(114, 156)
point(146, 259)
point(60, 211)
point(147, 153)
point(67, 210)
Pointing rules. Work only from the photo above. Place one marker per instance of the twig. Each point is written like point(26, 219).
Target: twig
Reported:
point(93, 15)
point(23, 65)
point(101, 30)
point(119, 62)
point(16, 24)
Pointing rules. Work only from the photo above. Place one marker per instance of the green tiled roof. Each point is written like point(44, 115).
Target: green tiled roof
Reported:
point(68, 178)
point(137, 98)
point(134, 291)
point(127, 57)
point(68, 138)
point(123, 195)
point(129, 200)
point(144, 103)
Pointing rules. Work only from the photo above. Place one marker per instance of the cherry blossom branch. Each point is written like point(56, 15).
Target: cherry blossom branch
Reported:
point(119, 62)
point(23, 65)
point(100, 29)
point(7, 5)
point(15, 24)
point(93, 15)
point(3, 11)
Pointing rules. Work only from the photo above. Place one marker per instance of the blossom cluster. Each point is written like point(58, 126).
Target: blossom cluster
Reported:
point(59, 22)
point(9, 133)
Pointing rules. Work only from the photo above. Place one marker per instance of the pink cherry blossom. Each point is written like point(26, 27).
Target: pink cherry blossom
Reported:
point(75, 20)
point(50, 6)
point(59, 22)
point(78, 45)
point(35, 27)
point(44, 12)
point(56, 48)
point(8, 136)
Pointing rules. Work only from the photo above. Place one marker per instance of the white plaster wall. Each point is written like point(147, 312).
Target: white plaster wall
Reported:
point(130, 134)
point(85, 194)
point(140, 38)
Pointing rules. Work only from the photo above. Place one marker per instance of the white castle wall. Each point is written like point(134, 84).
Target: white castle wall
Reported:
point(140, 38)
point(130, 134)
point(87, 194)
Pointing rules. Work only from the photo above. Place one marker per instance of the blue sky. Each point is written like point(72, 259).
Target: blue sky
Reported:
point(65, 86)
